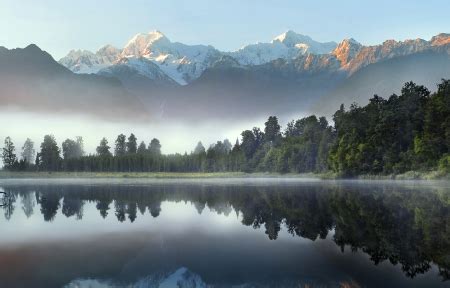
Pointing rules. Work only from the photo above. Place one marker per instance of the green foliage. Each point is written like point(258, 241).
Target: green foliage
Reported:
point(154, 147)
point(120, 148)
point(72, 148)
point(132, 144)
point(444, 164)
point(48, 158)
point(8, 154)
point(272, 130)
point(199, 149)
point(28, 151)
point(103, 148)
point(142, 148)
point(407, 132)
point(402, 133)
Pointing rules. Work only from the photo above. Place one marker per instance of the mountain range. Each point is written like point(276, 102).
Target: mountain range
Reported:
point(185, 63)
point(152, 75)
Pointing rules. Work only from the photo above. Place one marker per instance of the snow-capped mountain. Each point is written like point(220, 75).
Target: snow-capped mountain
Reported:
point(86, 62)
point(153, 56)
point(131, 66)
point(288, 45)
point(181, 278)
point(185, 63)
point(181, 63)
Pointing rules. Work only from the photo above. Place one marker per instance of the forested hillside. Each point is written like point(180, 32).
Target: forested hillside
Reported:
point(406, 132)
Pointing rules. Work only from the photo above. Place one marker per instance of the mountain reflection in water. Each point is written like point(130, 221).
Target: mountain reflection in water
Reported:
point(346, 234)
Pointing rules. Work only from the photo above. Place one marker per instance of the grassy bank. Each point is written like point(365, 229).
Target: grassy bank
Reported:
point(150, 175)
point(411, 175)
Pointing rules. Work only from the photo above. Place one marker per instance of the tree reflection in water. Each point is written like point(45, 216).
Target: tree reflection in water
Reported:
point(387, 222)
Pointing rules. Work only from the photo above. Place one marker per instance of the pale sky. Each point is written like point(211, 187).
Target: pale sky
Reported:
point(59, 26)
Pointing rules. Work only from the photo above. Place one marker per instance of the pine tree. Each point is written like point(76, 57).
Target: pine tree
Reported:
point(48, 157)
point(120, 148)
point(103, 148)
point(154, 147)
point(272, 130)
point(132, 144)
point(28, 152)
point(142, 148)
point(199, 149)
point(8, 155)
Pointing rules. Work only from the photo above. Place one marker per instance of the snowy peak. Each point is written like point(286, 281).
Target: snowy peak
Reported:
point(347, 50)
point(260, 53)
point(140, 66)
point(142, 44)
point(181, 63)
point(184, 63)
point(286, 46)
point(80, 61)
point(290, 38)
point(181, 278)
point(86, 62)
point(294, 40)
point(109, 52)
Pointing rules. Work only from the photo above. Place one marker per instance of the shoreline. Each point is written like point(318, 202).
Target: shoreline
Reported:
point(412, 175)
point(148, 175)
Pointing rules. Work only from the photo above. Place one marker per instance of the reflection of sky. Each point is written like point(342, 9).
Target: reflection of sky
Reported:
point(175, 219)
point(215, 246)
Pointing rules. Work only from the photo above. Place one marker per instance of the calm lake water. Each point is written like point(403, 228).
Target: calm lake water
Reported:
point(224, 233)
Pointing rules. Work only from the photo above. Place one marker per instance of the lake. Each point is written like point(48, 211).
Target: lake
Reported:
point(224, 233)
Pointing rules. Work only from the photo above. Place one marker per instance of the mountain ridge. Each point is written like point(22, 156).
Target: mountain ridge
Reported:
point(186, 63)
point(31, 79)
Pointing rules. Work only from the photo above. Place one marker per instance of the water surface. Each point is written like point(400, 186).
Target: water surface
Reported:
point(224, 233)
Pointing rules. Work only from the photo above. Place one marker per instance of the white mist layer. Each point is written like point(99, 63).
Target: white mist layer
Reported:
point(174, 137)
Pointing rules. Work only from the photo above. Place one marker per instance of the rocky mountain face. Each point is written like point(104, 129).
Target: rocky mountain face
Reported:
point(387, 77)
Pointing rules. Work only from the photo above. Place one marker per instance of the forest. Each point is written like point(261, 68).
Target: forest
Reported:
point(406, 132)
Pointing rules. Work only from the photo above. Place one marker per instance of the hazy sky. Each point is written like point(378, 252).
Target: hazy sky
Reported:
point(59, 26)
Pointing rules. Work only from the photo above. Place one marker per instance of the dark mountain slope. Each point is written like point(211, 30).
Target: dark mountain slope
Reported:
point(230, 92)
point(31, 79)
point(387, 77)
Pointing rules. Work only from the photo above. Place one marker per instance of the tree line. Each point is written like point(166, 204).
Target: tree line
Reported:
point(405, 132)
